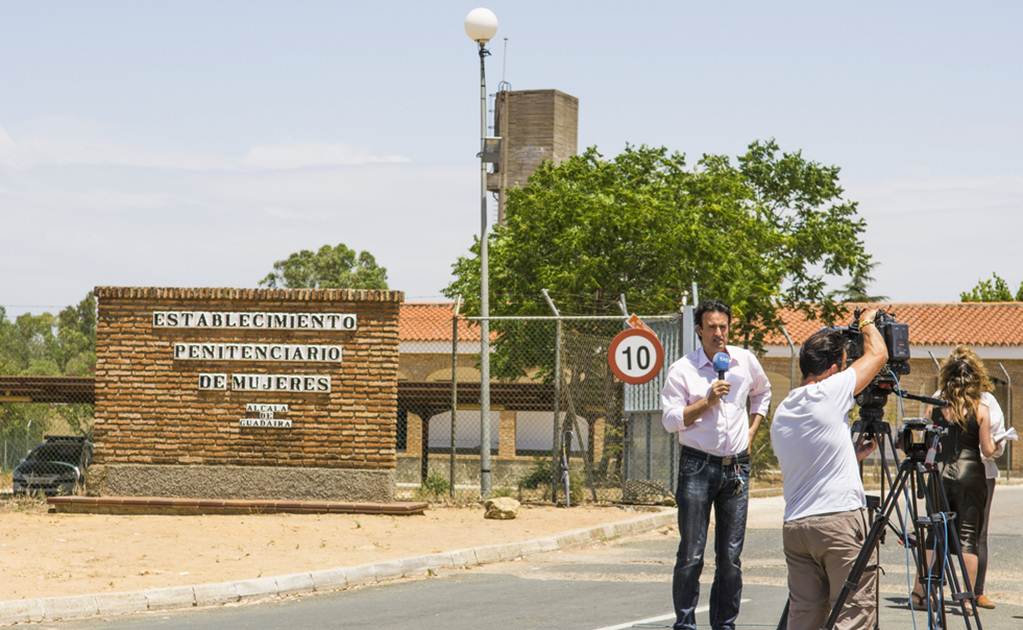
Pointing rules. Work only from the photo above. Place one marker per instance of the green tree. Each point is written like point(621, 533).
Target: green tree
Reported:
point(76, 338)
point(766, 227)
point(327, 268)
point(994, 289)
point(857, 289)
point(47, 345)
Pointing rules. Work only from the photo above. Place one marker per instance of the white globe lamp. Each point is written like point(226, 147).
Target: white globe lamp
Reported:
point(480, 25)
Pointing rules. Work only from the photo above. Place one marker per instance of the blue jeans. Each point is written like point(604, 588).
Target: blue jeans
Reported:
point(704, 481)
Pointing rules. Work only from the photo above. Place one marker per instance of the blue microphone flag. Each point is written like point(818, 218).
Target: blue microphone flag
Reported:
point(722, 361)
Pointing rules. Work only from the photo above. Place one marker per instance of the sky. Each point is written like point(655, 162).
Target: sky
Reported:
point(195, 143)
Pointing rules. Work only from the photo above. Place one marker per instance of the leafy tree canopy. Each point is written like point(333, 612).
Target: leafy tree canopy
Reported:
point(858, 287)
point(994, 289)
point(769, 226)
point(47, 345)
point(330, 267)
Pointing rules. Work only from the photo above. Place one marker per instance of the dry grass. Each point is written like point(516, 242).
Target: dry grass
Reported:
point(24, 504)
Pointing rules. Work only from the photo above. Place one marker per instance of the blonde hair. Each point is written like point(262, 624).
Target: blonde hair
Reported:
point(962, 380)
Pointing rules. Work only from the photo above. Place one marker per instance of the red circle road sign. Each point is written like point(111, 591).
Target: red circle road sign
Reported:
point(635, 355)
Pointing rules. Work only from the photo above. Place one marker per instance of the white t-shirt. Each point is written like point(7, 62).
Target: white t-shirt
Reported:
point(810, 436)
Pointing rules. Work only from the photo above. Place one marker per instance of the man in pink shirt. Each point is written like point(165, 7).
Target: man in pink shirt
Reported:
point(709, 415)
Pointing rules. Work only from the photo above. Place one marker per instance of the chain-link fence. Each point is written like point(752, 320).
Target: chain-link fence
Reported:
point(542, 429)
point(45, 447)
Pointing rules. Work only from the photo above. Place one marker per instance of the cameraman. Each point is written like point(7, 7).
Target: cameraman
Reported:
point(825, 520)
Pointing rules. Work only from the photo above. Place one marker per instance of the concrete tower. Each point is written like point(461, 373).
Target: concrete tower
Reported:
point(536, 125)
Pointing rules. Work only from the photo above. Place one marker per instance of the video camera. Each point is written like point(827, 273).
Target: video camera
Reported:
point(896, 339)
point(919, 439)
point(873, 397)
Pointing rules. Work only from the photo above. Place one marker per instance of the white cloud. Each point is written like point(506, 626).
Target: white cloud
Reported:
point(77, 227)
point(71, 143)
point(313, 155)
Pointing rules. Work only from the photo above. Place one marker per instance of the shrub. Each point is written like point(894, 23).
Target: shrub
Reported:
point(435, 486)
point(577, 486)
point(538, 475)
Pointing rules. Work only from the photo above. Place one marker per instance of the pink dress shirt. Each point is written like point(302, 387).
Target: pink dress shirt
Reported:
point(724, 428)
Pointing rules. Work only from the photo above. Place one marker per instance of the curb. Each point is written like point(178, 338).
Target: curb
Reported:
point(176, 597)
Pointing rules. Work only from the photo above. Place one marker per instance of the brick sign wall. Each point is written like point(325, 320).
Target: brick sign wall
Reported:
point(266, 393)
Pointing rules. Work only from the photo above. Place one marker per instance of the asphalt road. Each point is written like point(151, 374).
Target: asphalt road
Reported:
point(620, 585)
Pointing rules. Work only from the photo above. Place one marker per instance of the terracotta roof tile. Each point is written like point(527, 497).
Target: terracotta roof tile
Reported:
point(431, 321)
point(939, 324)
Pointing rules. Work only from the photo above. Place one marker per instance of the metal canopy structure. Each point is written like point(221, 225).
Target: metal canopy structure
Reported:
point(47, 389)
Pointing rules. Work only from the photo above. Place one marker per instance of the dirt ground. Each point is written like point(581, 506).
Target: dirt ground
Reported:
point(46, 554)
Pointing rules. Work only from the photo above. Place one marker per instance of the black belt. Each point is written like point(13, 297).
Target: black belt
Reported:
point(727, 460)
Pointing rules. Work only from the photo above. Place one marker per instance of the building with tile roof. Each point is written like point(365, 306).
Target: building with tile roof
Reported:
point(520, 430)
point(993, 330)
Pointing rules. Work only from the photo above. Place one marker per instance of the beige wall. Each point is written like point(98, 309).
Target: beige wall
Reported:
point(922, 379)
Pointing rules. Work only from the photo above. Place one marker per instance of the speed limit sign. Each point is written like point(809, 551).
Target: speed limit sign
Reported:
point(635, 355)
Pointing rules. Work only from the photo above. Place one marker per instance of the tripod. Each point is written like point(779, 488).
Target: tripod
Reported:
point(872, 427)
point(921, 472)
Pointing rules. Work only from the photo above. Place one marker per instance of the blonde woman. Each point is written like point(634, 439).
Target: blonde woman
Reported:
point(962, 382)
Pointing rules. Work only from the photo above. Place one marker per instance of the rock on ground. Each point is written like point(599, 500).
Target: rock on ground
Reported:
point(501, 508)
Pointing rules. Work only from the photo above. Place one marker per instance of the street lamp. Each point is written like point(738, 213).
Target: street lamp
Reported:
point(480, 26)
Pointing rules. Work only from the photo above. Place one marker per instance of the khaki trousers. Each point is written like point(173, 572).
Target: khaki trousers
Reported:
point(820, 551)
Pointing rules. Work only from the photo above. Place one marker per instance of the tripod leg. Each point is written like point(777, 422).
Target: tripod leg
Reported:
point(783, 623)
point(919, 529)
point(962, 596)
point(945, 565)
point(943, 520)
point(890, 441)
point(869, 543)
point(933, 576)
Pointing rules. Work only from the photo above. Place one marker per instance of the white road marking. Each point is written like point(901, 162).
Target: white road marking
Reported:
point(630, 624)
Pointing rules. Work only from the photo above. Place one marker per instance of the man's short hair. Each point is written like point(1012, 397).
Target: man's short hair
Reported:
point(712, 306)
point(822, 350)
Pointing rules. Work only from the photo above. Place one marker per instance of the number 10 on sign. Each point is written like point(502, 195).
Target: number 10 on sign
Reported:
point(635, 355)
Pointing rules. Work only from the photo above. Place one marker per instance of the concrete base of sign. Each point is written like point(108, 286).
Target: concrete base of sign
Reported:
point(240, 482)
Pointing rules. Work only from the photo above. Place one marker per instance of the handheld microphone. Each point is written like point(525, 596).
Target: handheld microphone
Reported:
point(721, 363)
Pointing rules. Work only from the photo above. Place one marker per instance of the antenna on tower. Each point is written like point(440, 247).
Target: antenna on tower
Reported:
point(504, 86)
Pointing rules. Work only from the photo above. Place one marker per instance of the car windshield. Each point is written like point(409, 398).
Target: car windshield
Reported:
point(67, 453)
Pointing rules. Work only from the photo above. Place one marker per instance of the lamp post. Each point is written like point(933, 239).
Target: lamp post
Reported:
point(480, 26)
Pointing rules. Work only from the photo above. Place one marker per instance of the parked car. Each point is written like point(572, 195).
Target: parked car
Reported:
point(57, 466)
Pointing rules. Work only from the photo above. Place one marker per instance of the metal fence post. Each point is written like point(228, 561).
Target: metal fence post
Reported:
point(454, 393)
point(689, 343)
point(649, 447)
point(555, 462)
point(792, 357)
point(1008, 417)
